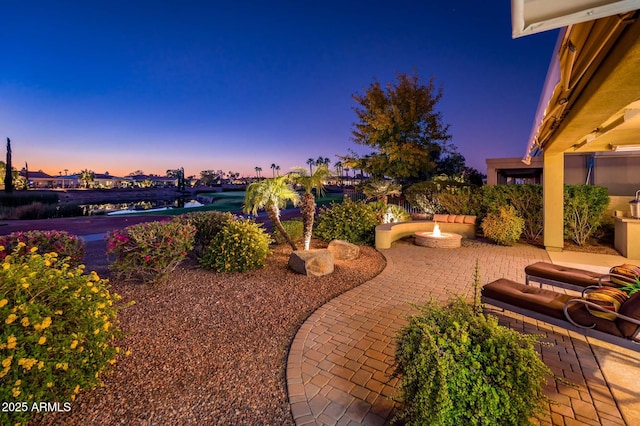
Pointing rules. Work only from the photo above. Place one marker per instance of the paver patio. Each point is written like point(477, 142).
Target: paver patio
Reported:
point(340, 363)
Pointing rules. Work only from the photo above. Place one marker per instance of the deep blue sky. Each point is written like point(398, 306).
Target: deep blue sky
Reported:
point(125, 85)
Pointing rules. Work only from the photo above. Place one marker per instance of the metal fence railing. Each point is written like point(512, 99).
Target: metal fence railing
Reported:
point(398, 201)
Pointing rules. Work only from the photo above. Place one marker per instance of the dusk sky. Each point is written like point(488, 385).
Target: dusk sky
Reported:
point(120, 86)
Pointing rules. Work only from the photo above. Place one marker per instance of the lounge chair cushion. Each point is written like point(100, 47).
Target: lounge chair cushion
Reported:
point(630, 308)
point(630, 272)
point(578, 277)
point(546, 302)
point(609, 298)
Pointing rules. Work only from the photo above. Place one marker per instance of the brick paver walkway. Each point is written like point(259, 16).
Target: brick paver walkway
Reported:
point(340, 363)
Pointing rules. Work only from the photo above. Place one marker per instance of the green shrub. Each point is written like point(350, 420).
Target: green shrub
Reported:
point(504, 227)
point(459, 367)
point(396, 213)
point(526, 199)
point(584, 210)
point(148, 252)
point(60, 242)
point(294, 228)
point(242, 245)
point(38, 210)
point(390, 213)
point(465, 201)
point(35, 210)
point(208, 225)
point(428, 195)
point(349, 221)
point(424, 195)
point(58, 328)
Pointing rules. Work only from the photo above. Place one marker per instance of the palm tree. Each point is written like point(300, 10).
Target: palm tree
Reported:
point(322, 161)
point(87, 176)
point(271, 195)
point(310, 182)
point(273, 169)
point(381, 189)
point(311, 162)
point(278, 170)
point(338, 167)
point(258, 169)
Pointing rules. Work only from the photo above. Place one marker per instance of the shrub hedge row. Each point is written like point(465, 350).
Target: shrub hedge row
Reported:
point(585, 205)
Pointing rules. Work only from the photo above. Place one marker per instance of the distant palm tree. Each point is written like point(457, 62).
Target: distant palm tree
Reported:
point(311, 162)
point(338, 167)
point(87, 176)
point(273, 169)
point(381, 189)
point(311, 182)
point(278, 170)
point(258, 170)
point(322, 161)
point(271, 195)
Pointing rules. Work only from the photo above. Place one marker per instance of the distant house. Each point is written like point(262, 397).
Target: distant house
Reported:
point(107, 181)
point(39, 179)
point(151, 181)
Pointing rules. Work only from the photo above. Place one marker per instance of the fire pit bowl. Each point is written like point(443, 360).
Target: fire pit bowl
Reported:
point(437, 239)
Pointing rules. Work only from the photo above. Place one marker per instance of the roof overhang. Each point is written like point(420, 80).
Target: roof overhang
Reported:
point(591, 100)
point(534, 16)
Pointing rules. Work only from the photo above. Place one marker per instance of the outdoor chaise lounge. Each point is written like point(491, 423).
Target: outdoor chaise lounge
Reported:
point(575, 279)
point(570, 312)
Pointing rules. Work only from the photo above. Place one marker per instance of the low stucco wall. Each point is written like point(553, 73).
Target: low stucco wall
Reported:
point(389, 232)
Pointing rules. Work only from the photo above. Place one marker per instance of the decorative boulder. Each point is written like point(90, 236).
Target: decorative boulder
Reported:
point(315, 263)
point(344, 250)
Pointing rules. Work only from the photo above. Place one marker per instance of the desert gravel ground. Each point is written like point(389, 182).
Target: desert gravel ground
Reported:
point(209, 348)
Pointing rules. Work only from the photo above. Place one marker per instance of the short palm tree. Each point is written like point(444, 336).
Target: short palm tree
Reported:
point(381, 189)
point(271, 195)
point(308, 205)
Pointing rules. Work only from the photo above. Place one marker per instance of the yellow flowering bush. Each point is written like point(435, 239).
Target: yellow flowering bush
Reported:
point(208, 225)
point(240, 246)
point(58, 330)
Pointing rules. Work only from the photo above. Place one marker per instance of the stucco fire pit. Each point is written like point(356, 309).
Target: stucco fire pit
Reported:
point(437, 239)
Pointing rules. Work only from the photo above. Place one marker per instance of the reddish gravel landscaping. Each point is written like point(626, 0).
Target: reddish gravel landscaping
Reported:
point(209, 348)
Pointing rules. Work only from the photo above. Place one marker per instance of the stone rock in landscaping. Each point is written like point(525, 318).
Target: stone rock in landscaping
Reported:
point(315, 263)
point(344, 250)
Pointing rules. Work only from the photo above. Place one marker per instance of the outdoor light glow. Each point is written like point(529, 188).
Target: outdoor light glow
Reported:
point(436, 230)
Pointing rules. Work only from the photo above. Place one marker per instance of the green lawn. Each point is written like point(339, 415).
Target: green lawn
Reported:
point(232, 202)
